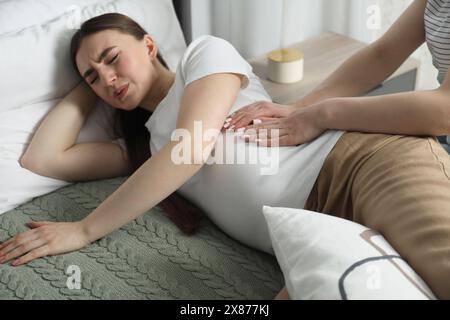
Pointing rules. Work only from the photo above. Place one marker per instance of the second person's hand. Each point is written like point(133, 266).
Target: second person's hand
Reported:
point(261, 110)
point(299, 127)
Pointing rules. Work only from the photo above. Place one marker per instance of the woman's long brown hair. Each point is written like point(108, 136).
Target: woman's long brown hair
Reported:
point(131, 124)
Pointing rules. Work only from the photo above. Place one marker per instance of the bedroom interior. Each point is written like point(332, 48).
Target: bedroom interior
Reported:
point(150, 258)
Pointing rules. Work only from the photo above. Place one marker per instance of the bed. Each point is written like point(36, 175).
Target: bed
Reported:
point(149, 258)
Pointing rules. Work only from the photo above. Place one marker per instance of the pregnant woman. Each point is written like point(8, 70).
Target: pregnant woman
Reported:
point(159, 111)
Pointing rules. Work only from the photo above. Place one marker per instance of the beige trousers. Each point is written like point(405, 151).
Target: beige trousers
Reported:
point(399, 186)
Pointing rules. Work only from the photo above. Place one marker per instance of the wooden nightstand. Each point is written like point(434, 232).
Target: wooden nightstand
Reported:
point(323, 55)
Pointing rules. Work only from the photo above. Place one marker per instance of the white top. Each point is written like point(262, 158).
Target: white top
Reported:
point(232, 195)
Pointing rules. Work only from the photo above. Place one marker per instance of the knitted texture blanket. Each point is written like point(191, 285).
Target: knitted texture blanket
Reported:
point(148, 258)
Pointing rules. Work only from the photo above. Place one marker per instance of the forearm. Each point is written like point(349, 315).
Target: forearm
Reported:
point(156, 179)
point(411, 113)
point(359, 74)
point(60, 128)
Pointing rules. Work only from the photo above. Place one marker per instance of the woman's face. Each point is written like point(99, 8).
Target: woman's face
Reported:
point(118, 67)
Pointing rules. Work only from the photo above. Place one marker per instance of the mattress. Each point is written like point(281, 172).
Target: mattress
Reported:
point(148, 258)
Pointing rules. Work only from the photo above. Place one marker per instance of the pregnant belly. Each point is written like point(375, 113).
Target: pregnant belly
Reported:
point(233, 197)
point(233, 192)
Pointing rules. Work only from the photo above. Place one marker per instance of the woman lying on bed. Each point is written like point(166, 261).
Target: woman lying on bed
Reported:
point(120, 64)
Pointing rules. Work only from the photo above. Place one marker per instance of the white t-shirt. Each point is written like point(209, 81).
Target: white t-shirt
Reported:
point(233, 194)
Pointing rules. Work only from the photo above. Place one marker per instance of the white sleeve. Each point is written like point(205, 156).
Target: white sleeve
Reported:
point(208, 55)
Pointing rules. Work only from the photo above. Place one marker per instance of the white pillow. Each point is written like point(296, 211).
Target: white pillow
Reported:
point(324, 257)
point(19, 185)
point(37, 73)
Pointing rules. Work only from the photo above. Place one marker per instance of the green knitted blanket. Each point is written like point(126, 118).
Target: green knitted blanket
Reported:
point(149, 258)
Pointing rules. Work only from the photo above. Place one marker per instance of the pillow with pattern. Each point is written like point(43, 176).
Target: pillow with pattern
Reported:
point(324, 257)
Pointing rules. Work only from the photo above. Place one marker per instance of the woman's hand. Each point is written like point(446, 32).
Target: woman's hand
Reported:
point(299, 127)
point(261, 110)
point(44, 239)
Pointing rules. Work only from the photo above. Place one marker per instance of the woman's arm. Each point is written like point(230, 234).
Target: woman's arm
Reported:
point(356, 76)
point(53, 151)
point(376, 62)
point(207, 100)
point(160, 175)
point(419, 113)
point(60, 128)
point(333, 106)
point(412, 113)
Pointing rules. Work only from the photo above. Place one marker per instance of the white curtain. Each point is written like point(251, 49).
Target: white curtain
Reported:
point(255, 27)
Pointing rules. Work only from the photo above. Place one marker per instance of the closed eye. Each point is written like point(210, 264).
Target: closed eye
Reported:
point(95, 79)
point(113, 59)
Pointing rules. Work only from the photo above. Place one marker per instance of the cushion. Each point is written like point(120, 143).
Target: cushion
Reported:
point(324, 257)
point(35, 38)
point(148, 258)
